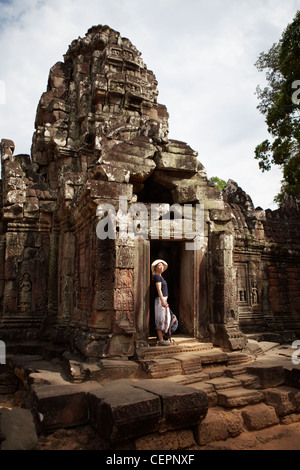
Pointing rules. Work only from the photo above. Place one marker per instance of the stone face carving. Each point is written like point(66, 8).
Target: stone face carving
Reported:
point(100, 134)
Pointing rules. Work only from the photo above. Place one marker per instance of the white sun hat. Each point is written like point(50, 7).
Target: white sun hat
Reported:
point(156, 262)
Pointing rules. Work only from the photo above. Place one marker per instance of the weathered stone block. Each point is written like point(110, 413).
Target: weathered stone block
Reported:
point(209, 390)
point(213, 356)
point(101, 320)
point(124, 278)
point(18, 427)
point(259, 416)
point(9, 382)
point(170, 440)
point(219, 424)
point(176, 162)
point(121, 344)
point(238, 397)
point(162, 367)
point(125, 257)
point(62, 406)
point(109, 189)
point(190, 362)
point(120, 411)
point(292, 377)
point(123, 299)
point(269, 376)
point(123, 322)
point(182, 406)
point(285, 400)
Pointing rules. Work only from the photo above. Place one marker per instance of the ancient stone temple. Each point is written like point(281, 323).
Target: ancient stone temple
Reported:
point(101, 140)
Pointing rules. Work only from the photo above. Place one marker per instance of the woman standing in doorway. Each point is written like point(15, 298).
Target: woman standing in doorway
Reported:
point(162, 311)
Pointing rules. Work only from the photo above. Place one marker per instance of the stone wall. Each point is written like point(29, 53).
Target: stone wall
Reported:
point(267, 263)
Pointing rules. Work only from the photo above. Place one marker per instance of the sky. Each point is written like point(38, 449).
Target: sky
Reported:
point(202, 53)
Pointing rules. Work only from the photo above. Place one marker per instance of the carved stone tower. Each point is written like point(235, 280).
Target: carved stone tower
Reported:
point(100, 138)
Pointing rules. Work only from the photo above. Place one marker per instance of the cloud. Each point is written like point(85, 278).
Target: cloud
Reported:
point(202, 53)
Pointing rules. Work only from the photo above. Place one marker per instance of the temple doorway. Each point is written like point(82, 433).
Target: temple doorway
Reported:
point(181, 284)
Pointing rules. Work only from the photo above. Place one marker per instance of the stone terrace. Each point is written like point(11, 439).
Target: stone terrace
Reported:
point(187, 396)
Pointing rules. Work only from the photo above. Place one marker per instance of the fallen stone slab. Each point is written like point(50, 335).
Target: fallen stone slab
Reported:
point(18, 429)
point(259, 416)
point(238, 397)
point(120, 411)
point(182, 406)
point(62, 406)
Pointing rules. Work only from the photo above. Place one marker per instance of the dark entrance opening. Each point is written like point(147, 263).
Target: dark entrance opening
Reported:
point(170, 251)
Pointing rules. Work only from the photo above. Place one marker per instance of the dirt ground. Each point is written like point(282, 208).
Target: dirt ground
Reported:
point(281, 437)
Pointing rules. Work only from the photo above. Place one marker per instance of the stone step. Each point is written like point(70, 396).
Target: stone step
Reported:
point(181, 344)
point(178, 362)
point(237, 397)
point(238, 358)
point(161, 367)
point(190, 362)
point(224, 383)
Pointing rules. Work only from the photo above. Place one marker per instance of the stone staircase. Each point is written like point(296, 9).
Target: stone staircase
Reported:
point(186, 356)
point(125, 398)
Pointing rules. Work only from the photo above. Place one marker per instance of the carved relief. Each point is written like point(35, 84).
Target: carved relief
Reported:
point(25, 293)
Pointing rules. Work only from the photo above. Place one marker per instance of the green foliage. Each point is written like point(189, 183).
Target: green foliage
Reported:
point(220, 184)
point(280, 103)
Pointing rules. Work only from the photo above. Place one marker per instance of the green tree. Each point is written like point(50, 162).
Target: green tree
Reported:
point(279, 102)
point(220, 184)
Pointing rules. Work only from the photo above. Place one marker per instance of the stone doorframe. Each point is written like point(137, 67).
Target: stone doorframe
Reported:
point(193, 297)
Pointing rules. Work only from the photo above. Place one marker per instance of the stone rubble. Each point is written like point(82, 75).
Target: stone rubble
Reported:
point(218, 406)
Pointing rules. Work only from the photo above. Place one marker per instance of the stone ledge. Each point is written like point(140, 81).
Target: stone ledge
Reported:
point(120, 411)
point(61, 406)
point(182, 406)
point(238, 397)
